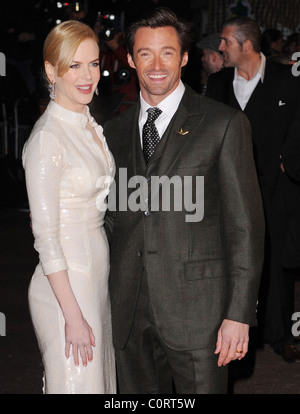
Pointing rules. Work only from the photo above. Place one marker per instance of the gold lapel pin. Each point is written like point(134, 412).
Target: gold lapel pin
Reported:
point(181, 132)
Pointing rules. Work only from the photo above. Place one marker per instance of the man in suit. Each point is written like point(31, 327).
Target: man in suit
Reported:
point(269, 95)
point(183, 286)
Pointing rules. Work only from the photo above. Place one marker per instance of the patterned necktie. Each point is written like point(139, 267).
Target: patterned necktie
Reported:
point(150, 134)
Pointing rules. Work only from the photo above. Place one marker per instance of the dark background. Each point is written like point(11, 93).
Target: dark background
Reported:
point(23, 99)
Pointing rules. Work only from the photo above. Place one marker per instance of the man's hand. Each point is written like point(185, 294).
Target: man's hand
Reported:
point(232, 343)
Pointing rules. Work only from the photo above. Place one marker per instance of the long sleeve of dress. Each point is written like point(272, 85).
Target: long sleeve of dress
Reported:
point(43, 164)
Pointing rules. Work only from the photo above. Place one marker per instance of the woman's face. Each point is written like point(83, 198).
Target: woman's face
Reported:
point(75, 88)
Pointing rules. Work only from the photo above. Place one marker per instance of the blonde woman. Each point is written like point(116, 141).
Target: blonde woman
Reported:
point(68, 168)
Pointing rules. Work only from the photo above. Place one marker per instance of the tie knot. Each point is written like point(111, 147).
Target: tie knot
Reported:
point(153, 114)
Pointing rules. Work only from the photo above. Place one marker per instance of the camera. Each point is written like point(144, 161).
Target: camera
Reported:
point(119, 78)
point(77, 6)
point(107, 22)
point(122, 77)
point(56, 12)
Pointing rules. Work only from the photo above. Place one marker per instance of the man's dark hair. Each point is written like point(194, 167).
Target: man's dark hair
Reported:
point(161, 17)
point(247, 29)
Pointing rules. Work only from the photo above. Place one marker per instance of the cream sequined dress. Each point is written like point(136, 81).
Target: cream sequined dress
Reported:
point(68, 178)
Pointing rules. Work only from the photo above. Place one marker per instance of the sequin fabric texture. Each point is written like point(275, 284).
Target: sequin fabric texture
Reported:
point(68, 177)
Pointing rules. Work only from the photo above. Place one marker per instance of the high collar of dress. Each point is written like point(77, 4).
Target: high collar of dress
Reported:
point(71, 117)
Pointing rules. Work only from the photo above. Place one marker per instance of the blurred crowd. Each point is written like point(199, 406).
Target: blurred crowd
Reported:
point(24, 27)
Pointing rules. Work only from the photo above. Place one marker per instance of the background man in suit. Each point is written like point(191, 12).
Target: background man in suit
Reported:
point(269, 95)
point(183, 291)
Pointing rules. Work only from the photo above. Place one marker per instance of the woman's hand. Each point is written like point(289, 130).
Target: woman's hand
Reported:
point(78, 332)
point(80, 335)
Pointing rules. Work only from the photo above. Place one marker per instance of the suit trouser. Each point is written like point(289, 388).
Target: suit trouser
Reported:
point(277, 288)
point(148, 366)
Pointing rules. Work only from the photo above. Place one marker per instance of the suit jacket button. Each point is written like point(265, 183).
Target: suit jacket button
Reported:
point(140, 253)
point(147, 213)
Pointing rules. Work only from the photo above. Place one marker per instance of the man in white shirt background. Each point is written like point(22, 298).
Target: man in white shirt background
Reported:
point(269, 95)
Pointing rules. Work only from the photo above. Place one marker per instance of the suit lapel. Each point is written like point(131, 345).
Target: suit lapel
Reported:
point(259, 104)
point(233, 102)
point(256, 99)
point(178, 134)
point(175, 139)
point(227, 88)
point(138, 156)
point(138, 161)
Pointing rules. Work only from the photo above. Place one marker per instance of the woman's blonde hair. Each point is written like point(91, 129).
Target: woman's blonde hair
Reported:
point(62, 42)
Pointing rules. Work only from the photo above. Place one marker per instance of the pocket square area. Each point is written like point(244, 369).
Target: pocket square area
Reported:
point(280, 103)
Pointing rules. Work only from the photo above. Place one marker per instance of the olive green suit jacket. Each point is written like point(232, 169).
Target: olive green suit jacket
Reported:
point(202, 271)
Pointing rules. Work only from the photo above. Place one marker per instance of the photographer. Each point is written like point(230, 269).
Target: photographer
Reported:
point(118, 80)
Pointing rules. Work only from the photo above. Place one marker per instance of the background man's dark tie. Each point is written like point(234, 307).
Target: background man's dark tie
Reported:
point(150, 134)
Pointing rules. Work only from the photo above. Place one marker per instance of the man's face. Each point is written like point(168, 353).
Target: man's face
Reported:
point(158, 62)
point(232, 50)
point(212, 61)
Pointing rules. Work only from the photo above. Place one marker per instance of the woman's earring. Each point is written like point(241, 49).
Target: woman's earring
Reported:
point(52, 93)
point(97, 91)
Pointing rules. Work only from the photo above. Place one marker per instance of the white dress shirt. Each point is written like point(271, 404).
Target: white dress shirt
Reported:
point(244, 88)
point(168, 107)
